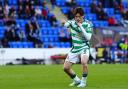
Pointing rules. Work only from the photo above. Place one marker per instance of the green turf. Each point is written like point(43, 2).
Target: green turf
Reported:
point(52, 77)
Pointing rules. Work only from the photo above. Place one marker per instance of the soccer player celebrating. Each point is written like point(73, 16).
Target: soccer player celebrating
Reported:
point(81, 32)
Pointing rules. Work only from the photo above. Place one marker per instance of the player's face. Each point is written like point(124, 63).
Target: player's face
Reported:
point(79, 18)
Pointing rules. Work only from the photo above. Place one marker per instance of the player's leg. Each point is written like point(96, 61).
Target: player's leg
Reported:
point(71, 59)
point(68, 70)
point(84, 62)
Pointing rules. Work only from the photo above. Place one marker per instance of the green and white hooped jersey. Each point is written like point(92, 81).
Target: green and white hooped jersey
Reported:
point(79, 39)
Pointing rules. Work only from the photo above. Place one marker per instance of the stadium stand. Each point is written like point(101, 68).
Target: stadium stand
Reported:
point(17, 13)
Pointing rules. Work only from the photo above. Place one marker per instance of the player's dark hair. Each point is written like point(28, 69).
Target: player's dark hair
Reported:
point(79, 10)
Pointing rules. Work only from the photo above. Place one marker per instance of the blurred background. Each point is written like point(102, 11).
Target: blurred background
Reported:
point(31, 30)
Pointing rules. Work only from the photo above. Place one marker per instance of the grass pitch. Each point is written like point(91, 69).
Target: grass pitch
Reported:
point(52, 77)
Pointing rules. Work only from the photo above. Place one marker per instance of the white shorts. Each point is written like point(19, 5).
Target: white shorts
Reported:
point(75, 57)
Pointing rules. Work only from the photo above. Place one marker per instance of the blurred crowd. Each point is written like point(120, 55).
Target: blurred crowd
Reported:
point(33, 11)
point(98, 8)
point(30, 10)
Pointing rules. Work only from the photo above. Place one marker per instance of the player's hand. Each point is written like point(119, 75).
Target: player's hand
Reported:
point(63, 22)
point(79, 24)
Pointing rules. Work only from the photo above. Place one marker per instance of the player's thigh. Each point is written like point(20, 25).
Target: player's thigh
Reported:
point(85, 57)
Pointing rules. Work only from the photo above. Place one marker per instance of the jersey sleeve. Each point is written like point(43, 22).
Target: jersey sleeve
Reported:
point(67, 24)
point(88, 27)
point(87, 30)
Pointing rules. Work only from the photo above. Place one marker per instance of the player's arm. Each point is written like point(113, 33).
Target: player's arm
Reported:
point(87, 31)
point(66, 24)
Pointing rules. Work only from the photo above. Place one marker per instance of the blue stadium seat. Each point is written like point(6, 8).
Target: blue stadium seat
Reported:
point(44, 32)
point(81, 3)
point(125, 4)
point(1, 23)
point(91, 17)
point(67, 44)
point(13, 44)
point(50, 32)
point(55, 32)
point(65, 10)
point(2, 30)
point(21, 44)
point(45, 39)
point(21, 22)
point(109, 11)
point(12, 2)
point(62, 45)
point(24, 44)
point(51, 39)
point(57, 44)
point(96, 23)
point(1, 36)
point(30, 45)
point(44, 23)
point(87, 10)
point(60, 3)
point(105, 23)
point(117, 17)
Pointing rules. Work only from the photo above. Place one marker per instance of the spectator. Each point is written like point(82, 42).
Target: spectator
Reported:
point(100, 5)
point(73, 3)
point(63, 36)
point(35, 24)
point(53, 21)
point(1, 45)
point(126, 15)
point(107, 3)
point(20, 2)
point(28, 26)
point(8, 35)
point(27, 12)
point(105, 55)
point(32, 2)
point(9, 21)
point(44, 13)
point(33, 14)
point(101, 15)
point(21, 12)
point(53, 4)
point(0, 3)
point(112, 21)
point(37, 2)
point(45, 10)
point(27, 3)
point(12, 13)
point(22, 35)
point(118, 1)
point(118, 7)
point(38, 13)
point(1, 12)
point(70, 14)
point(32, 30)
point(11, 34)
point(70, 3)
point(4, 42)
point(93, 6)
point(6, 9)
